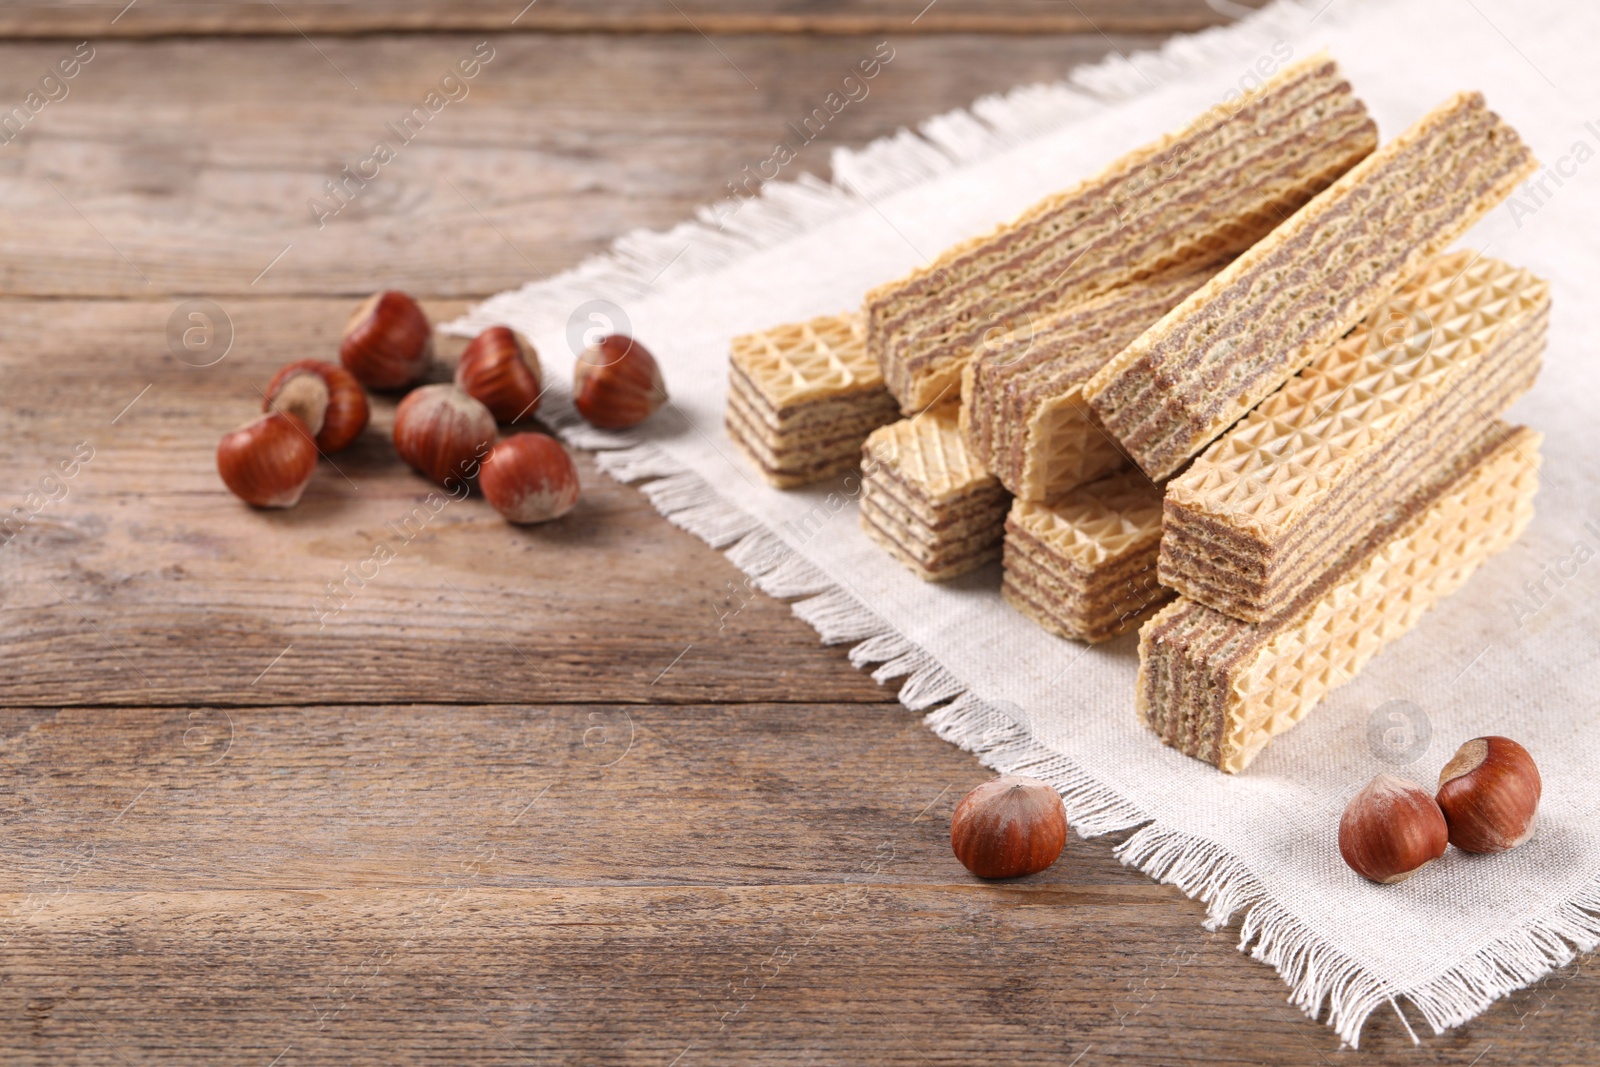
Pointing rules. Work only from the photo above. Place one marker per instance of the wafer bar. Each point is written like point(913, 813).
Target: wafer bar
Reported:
point(803, 397)
point(1267, 314)
point(926, 500)
point(1219, 689)
point(1022, 407)
point(1192, 197)
point(1253, 520)
point(1084, 565)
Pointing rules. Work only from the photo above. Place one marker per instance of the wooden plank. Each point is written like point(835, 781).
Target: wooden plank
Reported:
point(229, 879)
point(750, 884)
point(177, 166)
point(155, 18)
point(145, 582)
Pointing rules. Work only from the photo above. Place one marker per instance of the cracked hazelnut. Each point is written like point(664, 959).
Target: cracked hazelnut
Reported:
point(1489, 793)
point(1009, 827)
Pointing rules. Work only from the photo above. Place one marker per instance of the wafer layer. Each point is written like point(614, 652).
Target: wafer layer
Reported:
point(1254, 519)
point(1084, 566)
point(1022, 407)
point(927, 500)
point(1219, 689)
point(1249, 329)
point(803, 397)
point(1192, 197)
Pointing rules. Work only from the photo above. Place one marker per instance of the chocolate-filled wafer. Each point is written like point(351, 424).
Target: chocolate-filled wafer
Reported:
point(927, 500)
point(1193, 197)
point(803, 397)
point(1219, 689)
point(1084, 565)
point(1254, 520)
point(1303, 286)
point(1022, 408)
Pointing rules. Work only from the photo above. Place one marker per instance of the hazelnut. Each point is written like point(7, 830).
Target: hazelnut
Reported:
point(529, 477)
point(1489, 793)
point(500, 369)
point(443, 432)
point(1009, 827)
point(1391, 829)
point(327, 398)
point(617, 383)
point(269, 461)
point(388, 342)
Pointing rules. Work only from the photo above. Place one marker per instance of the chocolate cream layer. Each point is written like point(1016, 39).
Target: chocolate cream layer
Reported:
point(1268, 313)
point(1212, 557)
point(1020, 401)
point(1218, 689)
point(1190, 198)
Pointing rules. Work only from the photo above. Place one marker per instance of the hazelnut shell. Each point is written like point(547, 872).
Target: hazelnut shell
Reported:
point(388, 341)
point(269, 461)
point(345, 411)
point(1009, 827)
point(442, 432)
point(1489, 793)
point(500, 369)
point(529, 477)
point(1391, 830)
point(617, 383)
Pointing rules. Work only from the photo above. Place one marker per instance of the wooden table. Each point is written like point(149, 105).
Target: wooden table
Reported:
point(529, 795)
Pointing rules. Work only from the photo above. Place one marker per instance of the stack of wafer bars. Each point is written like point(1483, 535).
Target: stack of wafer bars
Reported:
point(926, 501)
point(802, 398)
point(1084, 566)
point(1097, 263)
point(1328, 521)
point(1239, 369)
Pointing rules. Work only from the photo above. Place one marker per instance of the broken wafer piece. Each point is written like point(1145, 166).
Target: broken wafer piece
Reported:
point(927, 500)
point(1022, 407)
point(1248, 330)
point(803, 397)
point(1219, 689)
point(1253, 521)
point(1084, 565)
point(1192, 197)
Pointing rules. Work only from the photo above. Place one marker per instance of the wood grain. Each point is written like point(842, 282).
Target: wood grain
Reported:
point(146, 582)
point(178, 167)
point(151, 18)
point(750, 883)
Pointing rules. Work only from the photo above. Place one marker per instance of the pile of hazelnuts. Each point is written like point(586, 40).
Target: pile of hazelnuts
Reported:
point(449, 431)
point(1487, 802)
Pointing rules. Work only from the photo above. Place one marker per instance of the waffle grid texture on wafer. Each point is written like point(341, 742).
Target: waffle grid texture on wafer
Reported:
point(803, 397)
point(1022, 409)
point(926, 499)
point(1218, 688)
point(1254, 519)
point(1084, 565)
point(1268, 313)
point(1190, 198)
